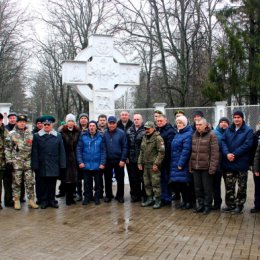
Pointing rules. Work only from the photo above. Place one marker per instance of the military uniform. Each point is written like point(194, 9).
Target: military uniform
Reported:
point(18, 154)
point(3, 135)
point(152, 153)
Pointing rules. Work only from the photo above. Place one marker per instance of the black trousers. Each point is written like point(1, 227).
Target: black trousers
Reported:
point(101, 176)
point(136, 181)
point(88, 177)
point(217, 188)
point(120, 176)
point(203, 185)
point(257, 191)
point(48, 188)
point(79, 184)
point(69, 191)
point(7, 181)
point(185, 189)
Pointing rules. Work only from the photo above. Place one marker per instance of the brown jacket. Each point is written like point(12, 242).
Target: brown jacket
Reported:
point(205, 151)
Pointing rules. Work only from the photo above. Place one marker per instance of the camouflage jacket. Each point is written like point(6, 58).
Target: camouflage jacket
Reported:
point(18, 148)
point(152, 150)
point(3, 135)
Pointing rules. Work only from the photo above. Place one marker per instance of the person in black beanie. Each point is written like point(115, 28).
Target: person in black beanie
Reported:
point(236, 144)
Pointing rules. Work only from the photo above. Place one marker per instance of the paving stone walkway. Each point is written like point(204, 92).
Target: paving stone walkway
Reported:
point(128, 232)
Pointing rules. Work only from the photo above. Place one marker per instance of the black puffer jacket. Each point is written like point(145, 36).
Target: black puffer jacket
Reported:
point(134, 142)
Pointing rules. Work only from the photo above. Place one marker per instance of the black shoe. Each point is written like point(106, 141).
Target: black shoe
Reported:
point(135, 199)
point(237, 210)
point(206, 211)
point(44, 206)
point(216, 207)
point(9, 205)
point(254, 210)
point(70, 202)
point(60, 195)
point(120, 200)
point(85, 202)
point(97, 201)
point(228, 208)
point(166, 203)
point(106, 199)
point(53, 205)
point(180, 206)
point(198, 210)
point(188, 206)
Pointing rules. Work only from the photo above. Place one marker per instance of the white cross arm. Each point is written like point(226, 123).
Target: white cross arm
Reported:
point(74, 72)
point(129, 74)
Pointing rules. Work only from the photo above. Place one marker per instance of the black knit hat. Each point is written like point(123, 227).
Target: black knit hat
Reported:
point(93, 122)
point(238, 113)
point(225, 119)
point(38, 119)
point(198, 113)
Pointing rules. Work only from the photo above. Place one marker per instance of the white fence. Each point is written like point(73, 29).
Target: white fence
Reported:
point(251, 112)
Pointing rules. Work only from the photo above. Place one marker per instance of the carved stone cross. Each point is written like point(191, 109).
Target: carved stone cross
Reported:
point(100, 74)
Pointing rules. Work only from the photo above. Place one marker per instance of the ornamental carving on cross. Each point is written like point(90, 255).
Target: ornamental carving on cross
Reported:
point(100, 73)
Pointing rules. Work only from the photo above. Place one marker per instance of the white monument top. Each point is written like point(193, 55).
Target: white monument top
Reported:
point(100, 74)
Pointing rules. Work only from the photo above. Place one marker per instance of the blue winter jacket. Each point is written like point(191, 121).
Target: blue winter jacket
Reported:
point(180, 155)
point(239, 143)
point(91, 151)
point(116, 145)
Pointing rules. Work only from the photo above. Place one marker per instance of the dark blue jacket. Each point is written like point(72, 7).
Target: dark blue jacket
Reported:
point(91, 151)
point(167, 132)
point(239, 143)
point(116, 145)
point(180, 155)
point(48, 154)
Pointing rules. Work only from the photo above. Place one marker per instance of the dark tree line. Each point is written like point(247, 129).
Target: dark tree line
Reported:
point(191, 52)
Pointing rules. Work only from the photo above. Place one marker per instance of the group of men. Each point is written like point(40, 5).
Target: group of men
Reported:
point(107, 146)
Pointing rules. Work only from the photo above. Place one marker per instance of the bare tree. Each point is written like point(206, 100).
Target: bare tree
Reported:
point(70, 23)
point(13, 53)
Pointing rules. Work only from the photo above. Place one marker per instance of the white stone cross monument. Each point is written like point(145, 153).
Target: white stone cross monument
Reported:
point(100, 74)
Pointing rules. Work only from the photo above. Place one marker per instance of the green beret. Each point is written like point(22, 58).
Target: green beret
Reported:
point(47, 119)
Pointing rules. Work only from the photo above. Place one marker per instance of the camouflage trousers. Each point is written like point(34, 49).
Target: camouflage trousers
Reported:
point(152, 183)
point(29, 181)
point(231, 178)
